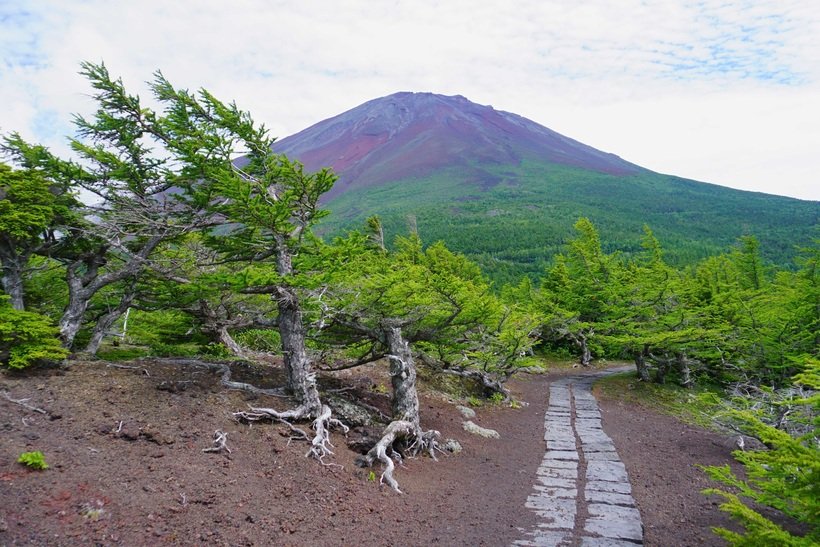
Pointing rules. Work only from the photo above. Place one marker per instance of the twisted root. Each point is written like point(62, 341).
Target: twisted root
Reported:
point(421, 441)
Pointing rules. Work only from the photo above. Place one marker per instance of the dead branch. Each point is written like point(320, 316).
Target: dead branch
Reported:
point(220, 443)
point(127, 367)
point(23, 403)
point(225, 379)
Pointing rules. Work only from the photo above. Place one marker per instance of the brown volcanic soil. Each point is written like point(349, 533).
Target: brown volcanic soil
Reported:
point(151, 483)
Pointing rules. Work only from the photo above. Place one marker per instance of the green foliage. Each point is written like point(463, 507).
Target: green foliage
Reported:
point(785, 476)
point(511, 220)
point(123, 353)
point(27, 204)
point(695, 406)
point(440, 300)
point(164, 332)
point(265, 340)
point(26, 337)
point(45, 287)
point(474, 401)
point(759, 530)
point(33, 460)
point(497, 398)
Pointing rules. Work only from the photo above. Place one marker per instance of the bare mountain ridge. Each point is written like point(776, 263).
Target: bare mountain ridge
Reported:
point(408, 135)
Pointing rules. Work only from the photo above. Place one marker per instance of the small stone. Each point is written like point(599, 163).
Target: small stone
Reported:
point(465, 411)
point(476, 429)
point(129, 432)
point(452, 446)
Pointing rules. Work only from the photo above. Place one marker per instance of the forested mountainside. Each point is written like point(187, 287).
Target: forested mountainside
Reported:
point(506, 191)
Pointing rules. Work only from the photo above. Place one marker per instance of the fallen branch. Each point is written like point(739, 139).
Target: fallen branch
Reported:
point(23, 403)
point(127, 367)
point(220, 443)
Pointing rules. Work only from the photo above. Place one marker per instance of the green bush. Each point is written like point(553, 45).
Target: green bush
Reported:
point(27, 337)
point(160, 329)
point(34, 460)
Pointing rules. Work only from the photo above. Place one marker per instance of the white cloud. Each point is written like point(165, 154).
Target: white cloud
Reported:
point(714, 90)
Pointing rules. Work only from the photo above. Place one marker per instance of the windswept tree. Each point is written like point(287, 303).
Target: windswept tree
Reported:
point(652, 319)
point(413, 303)
point(269, 206)
point(149, 173)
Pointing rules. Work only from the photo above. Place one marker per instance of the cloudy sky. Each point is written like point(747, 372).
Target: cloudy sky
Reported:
point(723, 91)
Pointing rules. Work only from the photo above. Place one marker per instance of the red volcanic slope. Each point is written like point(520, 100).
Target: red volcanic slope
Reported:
point(413, 134)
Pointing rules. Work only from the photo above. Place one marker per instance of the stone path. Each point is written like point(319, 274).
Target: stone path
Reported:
point(580, 458)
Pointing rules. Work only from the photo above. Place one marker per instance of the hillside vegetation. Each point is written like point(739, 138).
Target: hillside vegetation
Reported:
point(512, 220)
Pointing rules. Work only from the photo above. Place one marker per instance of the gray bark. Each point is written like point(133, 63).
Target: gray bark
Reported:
point(107, 320)
point(586, 354)
point(216, 322)
point(229, 342)
point(84, 281)
point(13, 266)
point(403, 377)
point(640, 365)
point(301, 381)
point(685, 372)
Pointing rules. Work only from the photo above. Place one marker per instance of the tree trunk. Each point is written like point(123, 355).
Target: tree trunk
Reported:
point(405, 427)
point(73, 314)
point(12, 279)
point(685, 372)
point(105, 322)
point(301, 380)
point(403, 377)
point(586, 355)
point(229, 342)
point(84, 281)
point(662, 368)
point(640, 365)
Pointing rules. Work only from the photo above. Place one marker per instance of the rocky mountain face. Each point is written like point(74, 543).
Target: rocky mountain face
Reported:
point(407, 135)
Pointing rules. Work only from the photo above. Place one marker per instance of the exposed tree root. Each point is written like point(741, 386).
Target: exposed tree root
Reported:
point(322, 421)
point(320, 414)
point(400, 430)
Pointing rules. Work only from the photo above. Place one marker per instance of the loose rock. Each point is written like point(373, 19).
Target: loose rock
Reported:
point(476, 429)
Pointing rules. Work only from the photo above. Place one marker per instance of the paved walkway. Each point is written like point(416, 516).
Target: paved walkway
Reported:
point(580, 457)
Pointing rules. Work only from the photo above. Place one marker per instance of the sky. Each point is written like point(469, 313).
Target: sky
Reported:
point(721, 91)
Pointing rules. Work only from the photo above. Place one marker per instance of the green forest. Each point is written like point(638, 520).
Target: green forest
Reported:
point(512, 220)
point(180, 252)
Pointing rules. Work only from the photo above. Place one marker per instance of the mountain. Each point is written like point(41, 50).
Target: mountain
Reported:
point(415, 134)
point(506, 191)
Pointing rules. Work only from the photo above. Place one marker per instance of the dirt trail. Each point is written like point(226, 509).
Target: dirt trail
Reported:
point(125, 448)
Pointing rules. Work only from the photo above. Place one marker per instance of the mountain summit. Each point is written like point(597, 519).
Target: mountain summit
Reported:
point(414, 134)
point(506, 191)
